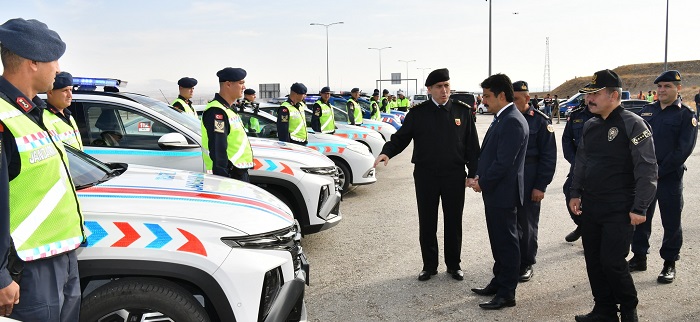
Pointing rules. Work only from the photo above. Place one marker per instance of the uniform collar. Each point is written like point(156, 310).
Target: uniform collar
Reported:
point(217, 97)
point(184, 99)
point(447, 105)
point(65, 115)
point(16, 97)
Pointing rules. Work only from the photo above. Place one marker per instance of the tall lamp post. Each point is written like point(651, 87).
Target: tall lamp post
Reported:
point(327, 25)
point(489, 37)
point(407, 61)
point(380, 64)
point(666, 50)
point(423, 78)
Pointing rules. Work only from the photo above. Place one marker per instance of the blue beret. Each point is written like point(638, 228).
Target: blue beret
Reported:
point(187, 82)
point(31, 39)
point(230, 74)
point(63, 80)
point(376, 92)
point(355, 90)
point(669, 76)
point(385, 91)
point(298, 88)
point(520, 86)
point(436, 76)
point(249, 91)
point(325, 90)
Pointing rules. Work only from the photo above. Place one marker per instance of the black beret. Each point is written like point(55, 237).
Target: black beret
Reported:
point(187, 82)
point(669, 76)
point(602, 79)
point(325, 89)
point(31, 39)
point(385, 91)
point(520, 86)
point(298, 88)
point(63, 80)
point(230, 74)
point(436, 76)
point(355, 90)
point(376, 92)
point(249, 91)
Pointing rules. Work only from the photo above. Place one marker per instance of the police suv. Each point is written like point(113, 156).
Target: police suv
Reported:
point(173, 245)
point(137, 129)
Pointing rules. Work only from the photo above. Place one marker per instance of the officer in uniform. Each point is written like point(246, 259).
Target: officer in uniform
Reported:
point(392, 104)
point(386, 99)
point(445, 142)
point(57, 102)
point(182, 103)
point(540, 163)
point(570, 140)
point(40, 185)
point(225, 147)
point(673, 125)
point(252, 125)
point(374, 106)
point(323, 119)
point(403, 103)
point(291, 120)
point(613, 184)
point(353, 108)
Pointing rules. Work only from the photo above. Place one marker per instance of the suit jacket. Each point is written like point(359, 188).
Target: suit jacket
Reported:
point(501, 164)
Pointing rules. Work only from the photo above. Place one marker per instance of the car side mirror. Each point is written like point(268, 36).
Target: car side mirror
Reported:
point(174, 141)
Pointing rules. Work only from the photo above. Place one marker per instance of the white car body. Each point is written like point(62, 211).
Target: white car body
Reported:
point(179, 226)
point(386, 130)
point(301, 177)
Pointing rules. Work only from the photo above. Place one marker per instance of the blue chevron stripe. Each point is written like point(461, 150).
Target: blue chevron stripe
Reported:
point(97, 233)
point(162, 238)
point(271, 164)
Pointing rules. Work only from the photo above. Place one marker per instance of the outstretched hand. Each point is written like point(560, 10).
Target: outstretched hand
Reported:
point(381, 158)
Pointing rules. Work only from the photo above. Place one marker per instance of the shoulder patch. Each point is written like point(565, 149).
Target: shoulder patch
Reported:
point(219, 126)
point(462, 103)
point(550, 128)
point(577, 109)
point(694, 121)
point(285, 118)
point(541, 113)
point(647, 114)
point(219, 116)
point(641, 137)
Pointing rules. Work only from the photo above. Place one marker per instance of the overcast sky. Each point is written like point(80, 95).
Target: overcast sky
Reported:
point(151, 44)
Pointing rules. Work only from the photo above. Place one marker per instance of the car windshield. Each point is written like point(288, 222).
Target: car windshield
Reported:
point(86, 171)
point(165, 109)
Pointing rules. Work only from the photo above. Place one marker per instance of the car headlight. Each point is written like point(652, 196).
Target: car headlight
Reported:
point(323, 171)
point(272, 284)
point(281, 239)
point(359, 148)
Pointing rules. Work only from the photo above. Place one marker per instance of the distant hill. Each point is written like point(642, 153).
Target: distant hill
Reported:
point(640, 77)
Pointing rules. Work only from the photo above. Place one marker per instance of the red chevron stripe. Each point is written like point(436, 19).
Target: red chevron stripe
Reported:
point(193, 244)
point(341, 150)
point(130, 235)
point(256, 164)
point(286, 169)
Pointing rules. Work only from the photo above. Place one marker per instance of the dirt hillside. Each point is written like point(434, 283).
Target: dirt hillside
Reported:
point(640, 77)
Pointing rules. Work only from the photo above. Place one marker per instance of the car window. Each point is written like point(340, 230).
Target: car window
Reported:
point(117, 126)
point(258, 126)
point(85, 170)
point(420, 97)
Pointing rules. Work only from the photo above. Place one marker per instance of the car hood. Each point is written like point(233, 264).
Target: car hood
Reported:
point(292, 154)
point(172, 195)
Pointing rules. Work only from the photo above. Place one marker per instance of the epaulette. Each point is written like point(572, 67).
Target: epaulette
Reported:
point(463, 103)
point(687, 107)
point(424, 103)
point(576, 110)
point(542, 113)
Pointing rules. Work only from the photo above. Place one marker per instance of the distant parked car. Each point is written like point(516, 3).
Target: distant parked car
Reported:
point(634, 105)
point(418, 98)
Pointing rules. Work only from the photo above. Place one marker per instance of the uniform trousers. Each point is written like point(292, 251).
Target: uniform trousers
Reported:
point(528, 219)
point(49, 290)
point(669, 194)
point(606, 232)
point(502, 226)
point(239, 174)
point(567, 195)
point(430, 190)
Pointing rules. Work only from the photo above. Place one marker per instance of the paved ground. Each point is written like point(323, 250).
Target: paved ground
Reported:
point(365, 268)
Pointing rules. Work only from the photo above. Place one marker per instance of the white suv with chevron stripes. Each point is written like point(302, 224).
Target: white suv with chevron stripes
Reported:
point(173, 245)
point(151, 133)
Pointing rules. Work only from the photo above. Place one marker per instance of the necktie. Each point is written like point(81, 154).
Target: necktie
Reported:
point(495, 119)
point(441, 106)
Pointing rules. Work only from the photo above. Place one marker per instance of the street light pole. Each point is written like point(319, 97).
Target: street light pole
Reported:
point(327, 25)
point(489, 37)
point(380, 64)
point(666, 50)
point(407, 61)
point(423, 78)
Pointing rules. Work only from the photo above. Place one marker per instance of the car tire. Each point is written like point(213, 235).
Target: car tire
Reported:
point(344, 174)
point(138, 299)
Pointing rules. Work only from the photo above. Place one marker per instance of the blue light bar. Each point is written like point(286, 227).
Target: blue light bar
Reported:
point(92, 81)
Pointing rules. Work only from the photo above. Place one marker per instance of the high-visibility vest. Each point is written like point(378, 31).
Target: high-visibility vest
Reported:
point(45, 215)
point(238, 149)
point(403, 102)
point(374, 109)
point(66, 133)
point(391, 106)
point(297, 123)
point(388, 104)
point(186, 107)
point(358, 112)
point(327, 118)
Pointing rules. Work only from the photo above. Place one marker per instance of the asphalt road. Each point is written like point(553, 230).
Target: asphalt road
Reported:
point(366, 268)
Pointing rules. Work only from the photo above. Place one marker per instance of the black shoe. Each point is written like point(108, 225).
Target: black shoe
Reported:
point(456, 274)
point(574, 235)
point(629, 316)
point(488, 290)
point(668, 274)
point(638, 263)
point(526, 273)
point(596, 317)
point(497, 303)
point(425, 275)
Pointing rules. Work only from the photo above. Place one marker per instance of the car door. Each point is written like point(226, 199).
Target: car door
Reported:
point(118, 133)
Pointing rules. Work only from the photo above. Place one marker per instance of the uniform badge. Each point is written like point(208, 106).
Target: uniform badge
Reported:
point(647, 114)
point(694, 122)
point(219, 126)
point(678, 77)
point(284, 110)
point(578, 121)
point(285, 118)
point(532, 113)
point(458, 122)
point(550, 128)
point(22, 102)
point(612, 133)
point(317, 113)
point(641, 137)
point(219, 116)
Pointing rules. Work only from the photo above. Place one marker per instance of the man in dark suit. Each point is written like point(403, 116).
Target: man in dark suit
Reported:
point(445, 145)
point(500, 176)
